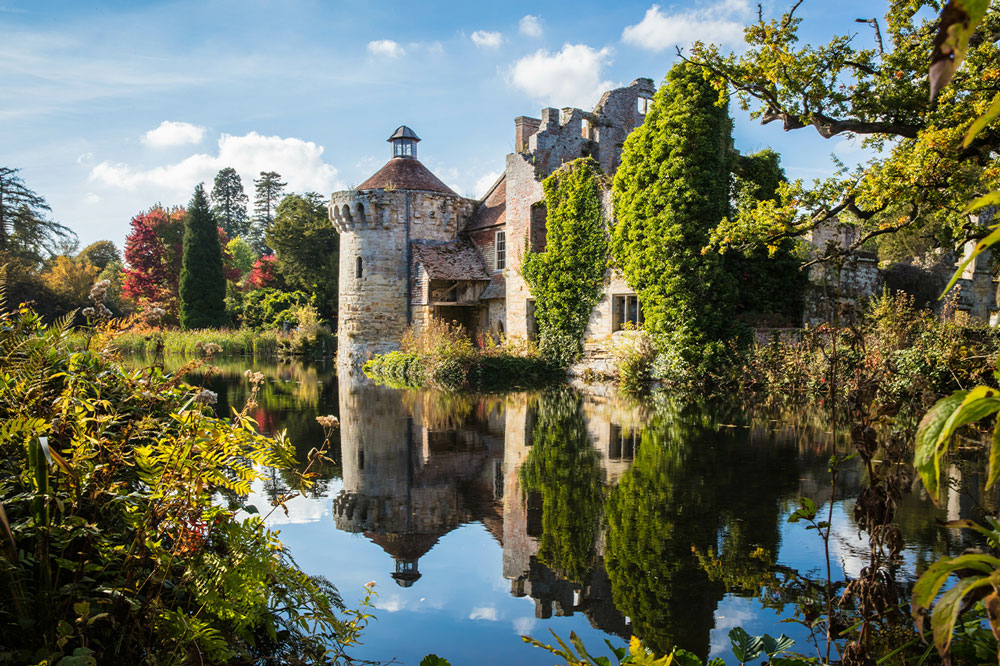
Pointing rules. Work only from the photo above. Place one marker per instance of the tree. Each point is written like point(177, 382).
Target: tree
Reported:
point(671, 189)
point(267, 195)
point(203, 282)
point(243, 255)
point(567, 277)
point(101, 254)
point(153, 250)
point(922, 176)
point(229, 203)
point(69, 280)
point(25, 229)
point(306, 248)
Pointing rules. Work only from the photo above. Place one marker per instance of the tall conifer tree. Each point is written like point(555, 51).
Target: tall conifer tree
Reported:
point(203, 282)
point(229, 203)
point(671, 189)
point(267, 195)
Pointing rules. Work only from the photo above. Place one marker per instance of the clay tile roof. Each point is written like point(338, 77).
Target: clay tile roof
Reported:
point(405, 173)
point(492, 210)
point(457, 260)
point(405, 546)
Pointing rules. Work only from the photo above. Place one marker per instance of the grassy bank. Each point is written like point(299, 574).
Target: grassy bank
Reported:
point(316, 343)
point(443, 357)
point(114, 544)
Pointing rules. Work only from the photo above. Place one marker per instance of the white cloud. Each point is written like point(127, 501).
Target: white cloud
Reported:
point(486, 40)
point(570, 77)
point(299, 162)
point(720, 23)
point(484, 183)
point(84, 157)
point(171, 133)
point(531, 26)
point(386, 47)
point(391, 605)
point(484, 613)
point(524, 625)
point(91, 198)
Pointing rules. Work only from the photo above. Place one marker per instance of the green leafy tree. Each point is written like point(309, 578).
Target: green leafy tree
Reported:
point(203, 282)
point(25, 229)
point(770, 283)
point(101, 254)
point(671, 189)
point(306, 248)
point(243, 255)
point(267, 195)
point(229, 203)
point(876, 88)
point(567, 277)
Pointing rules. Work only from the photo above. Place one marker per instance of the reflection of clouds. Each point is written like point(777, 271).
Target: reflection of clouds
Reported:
point(484, 613)
point(390, 604)
point(300, 509)
point(524, 625)
point(729, 616)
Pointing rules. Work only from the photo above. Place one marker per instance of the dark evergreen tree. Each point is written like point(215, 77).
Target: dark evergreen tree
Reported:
point(229, 203)
point(25, 230)
point(307, 248)
point(267, 195)
point(671, 189)
point(203, 282)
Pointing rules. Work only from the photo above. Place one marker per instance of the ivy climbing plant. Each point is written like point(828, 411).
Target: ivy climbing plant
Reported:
point(566, 278)
point(671, 189)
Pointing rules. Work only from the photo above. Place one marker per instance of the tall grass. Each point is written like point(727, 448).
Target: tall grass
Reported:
point(235, 342)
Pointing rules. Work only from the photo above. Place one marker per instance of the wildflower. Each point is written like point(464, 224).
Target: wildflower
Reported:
point(99, 291)
point(254, 377)
point(210, 349)
point(88, 312)
point(207, 397)
point(330, 421)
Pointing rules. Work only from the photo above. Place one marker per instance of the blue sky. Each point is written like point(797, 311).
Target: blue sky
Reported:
point(110, 107)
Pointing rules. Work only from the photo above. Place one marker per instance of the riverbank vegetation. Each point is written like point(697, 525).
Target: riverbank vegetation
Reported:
point(124, 533)
point(442, 356)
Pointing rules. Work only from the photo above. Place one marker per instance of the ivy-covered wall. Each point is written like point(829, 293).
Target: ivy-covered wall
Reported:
point(567, 277)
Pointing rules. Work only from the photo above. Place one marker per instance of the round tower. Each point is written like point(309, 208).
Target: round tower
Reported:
point(402, 203)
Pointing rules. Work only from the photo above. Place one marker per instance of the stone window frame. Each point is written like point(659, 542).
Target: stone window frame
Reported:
point(625, 313)
point(500, 250)
point(643, 104)
point(359, 269)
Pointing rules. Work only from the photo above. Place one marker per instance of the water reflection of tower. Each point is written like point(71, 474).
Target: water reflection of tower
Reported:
point(406, 484)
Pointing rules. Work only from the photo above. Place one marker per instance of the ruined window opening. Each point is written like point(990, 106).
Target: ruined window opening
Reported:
point(585, 129)
point(627, 314)
point(643, 104)
point(358, 270)
point(500, 248)
point(361, 459)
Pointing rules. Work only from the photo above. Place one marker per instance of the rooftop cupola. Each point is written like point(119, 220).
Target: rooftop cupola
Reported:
point(404, 142)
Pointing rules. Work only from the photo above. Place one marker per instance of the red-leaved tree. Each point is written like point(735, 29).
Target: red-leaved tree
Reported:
point(263, 274)
point(153, 257)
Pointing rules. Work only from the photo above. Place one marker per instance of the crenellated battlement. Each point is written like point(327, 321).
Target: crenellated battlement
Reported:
point(355, 210)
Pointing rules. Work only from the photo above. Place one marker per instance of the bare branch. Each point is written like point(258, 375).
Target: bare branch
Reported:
point(873, 22)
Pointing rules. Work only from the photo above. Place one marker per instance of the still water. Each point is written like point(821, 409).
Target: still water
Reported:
point(482, 518)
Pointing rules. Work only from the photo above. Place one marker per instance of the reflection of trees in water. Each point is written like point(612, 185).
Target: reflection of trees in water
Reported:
point(565, 470)
point(292, 396)
point(690, 485)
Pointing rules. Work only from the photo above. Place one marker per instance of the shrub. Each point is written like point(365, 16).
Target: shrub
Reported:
point(269, 308)
point(634, 354)
point(115, 546)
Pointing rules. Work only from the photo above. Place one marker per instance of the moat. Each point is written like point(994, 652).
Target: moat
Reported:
point(482, 518)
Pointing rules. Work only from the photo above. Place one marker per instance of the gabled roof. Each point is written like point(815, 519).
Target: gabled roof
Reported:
point(492, 210)
point(456, 260)
point(405, 173)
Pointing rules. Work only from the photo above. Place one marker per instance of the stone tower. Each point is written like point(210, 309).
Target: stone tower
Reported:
point(402, 203)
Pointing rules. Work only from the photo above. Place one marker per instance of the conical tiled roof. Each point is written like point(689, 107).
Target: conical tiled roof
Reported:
point(405, 173)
